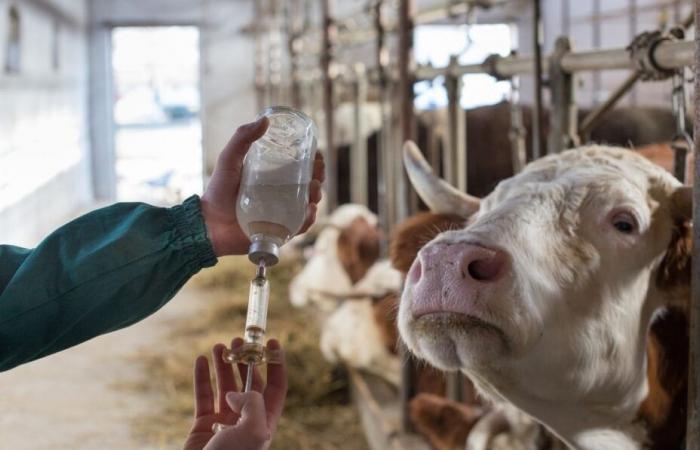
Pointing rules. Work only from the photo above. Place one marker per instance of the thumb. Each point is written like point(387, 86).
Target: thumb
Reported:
point(231, 157)
point(251, 407)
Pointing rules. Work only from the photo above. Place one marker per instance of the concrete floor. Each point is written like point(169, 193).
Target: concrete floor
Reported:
point(70, 401)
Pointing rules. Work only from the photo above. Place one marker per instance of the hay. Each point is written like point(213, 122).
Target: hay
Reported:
point(318, 413)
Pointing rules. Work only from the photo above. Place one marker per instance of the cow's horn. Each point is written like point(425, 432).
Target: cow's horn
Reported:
point(682, 199)
point(439, 195)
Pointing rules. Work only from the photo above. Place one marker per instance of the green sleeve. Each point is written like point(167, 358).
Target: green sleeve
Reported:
point(99, 273)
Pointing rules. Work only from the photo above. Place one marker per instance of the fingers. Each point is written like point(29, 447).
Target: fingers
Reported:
point(225, 382)
point(231, 158)
point(251, 407)
point(315, 191)
point(276, 389)
point(319, 168)
point(258, 384)
point(311, 211)
point(203, 395)
point(243, 370)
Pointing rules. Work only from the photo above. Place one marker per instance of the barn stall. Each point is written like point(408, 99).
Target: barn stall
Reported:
point(352, 67)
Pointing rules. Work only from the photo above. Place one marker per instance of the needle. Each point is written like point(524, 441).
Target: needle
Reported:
point(249, 378)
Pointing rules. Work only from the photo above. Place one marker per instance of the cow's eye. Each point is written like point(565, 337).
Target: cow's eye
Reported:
point(625, 223)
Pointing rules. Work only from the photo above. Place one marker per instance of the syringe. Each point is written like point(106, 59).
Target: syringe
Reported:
point(253, 350)
point(256, 322)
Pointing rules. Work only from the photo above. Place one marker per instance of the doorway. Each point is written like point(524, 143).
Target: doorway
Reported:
point(156, 110)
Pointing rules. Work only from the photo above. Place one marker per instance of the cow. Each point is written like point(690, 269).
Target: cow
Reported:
point(348, 284)
point(563, 292)
point(345, 248)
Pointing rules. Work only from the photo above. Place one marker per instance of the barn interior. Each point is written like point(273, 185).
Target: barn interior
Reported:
point(112, 101)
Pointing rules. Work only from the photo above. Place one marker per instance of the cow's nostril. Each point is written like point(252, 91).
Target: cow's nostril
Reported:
point(485, 269)
point(416, 272)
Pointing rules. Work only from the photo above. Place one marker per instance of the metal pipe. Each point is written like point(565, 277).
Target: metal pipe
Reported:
point(406, 200)
point(562, 133)
point(594, 117)
point(455, 160)
point(667, 54)
point(358, 161)
point(692, 438)
point(537, 72)
point(517, 132)
point(331, 157)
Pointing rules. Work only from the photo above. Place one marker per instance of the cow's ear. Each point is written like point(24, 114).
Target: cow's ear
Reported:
point(682, 203)
point(416, 231)
point(358, 248)
point(675, 271)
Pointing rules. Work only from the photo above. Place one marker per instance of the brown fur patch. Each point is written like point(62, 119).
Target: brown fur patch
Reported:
point(416, 231)
point(663, 411)
point(358, 248)
point(385, 316)
point(445, 423)
point(675, 271)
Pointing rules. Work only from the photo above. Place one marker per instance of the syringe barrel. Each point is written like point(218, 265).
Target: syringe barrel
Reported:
point(256, 321)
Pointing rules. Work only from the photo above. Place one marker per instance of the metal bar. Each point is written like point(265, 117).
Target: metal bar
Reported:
point(350, 35)
point(693, 419)
point(633, 32)
point(594, 117)
point(406, 200)
point(517, 132)
point(596, 31)
point(358, 161)
point(292, 10)
point(537, 72)
point(667, 54)
point(456, 152)
point(331, 151)
point(562, 133)
point(384, 178)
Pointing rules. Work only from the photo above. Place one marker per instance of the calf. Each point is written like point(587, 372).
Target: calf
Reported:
point(564, 293)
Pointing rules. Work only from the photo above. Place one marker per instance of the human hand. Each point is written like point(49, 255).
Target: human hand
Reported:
point(252, 416)
point(219, 199)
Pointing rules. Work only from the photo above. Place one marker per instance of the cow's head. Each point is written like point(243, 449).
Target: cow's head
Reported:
point(346, 247)
point(546, 293)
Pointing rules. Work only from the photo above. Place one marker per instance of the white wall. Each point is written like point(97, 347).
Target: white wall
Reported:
point(44, 159)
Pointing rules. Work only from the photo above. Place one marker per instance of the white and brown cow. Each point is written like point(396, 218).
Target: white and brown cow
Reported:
point(564, 293)
point(347, 285)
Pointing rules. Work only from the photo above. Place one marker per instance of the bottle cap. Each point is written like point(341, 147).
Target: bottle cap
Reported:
point(262, 249)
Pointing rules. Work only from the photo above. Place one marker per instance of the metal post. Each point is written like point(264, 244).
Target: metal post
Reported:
point(406, 200)
point(517, 132)
point(292, 11)
point(358, 159)
point(326, 61)
point(455, 155)
point(682, 143)
point(259, 57)
point(383, 162)
point(562, 133)
point(594, 117)
point(693, 421)
point(537, 62)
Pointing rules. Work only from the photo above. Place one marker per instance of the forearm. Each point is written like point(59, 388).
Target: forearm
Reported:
point(101, 272)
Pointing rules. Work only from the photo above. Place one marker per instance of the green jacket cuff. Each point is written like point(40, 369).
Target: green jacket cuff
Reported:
point(191, 232)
